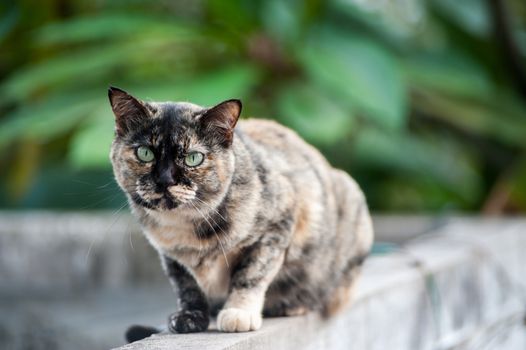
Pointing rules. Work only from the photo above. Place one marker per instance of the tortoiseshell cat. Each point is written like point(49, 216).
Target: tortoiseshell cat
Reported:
point(248, 220)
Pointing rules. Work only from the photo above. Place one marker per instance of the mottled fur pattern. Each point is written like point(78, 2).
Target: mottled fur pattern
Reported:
point(264, 226)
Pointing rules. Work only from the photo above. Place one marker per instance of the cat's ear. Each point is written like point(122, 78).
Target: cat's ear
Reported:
point(129, 111)
point(221, 119)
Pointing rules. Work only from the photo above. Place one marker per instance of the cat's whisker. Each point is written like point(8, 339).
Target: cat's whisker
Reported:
point(130, 236)
point(217, 236)
point(210, 207)
point(226, 236)
point(197, 231)
point(92, 190)
point(97, 203)
point(222, 249)
point(117, 211)
point(216, 212)
point(199, 237)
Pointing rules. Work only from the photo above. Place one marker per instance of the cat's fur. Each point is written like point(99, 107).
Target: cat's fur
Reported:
point(263, 226)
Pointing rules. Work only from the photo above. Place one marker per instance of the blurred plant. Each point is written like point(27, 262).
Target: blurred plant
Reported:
point(421, 101)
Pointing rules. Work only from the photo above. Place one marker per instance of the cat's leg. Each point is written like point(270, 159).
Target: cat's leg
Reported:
point(282, 310)
point(354, 236)
point(243, 309)
point(343, 295)
point(193, 314)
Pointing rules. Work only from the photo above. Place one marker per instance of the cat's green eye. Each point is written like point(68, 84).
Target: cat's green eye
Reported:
point(145, 154)
point(194, 159)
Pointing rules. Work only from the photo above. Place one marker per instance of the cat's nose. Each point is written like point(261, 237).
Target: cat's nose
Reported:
point(166, 178)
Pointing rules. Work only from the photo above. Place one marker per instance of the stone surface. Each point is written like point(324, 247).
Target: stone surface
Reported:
point(76, 281)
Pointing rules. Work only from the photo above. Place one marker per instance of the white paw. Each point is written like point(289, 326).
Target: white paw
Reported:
point(238, 320)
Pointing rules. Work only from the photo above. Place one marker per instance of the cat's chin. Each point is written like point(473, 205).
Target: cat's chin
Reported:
point(169, 204)
point(163, 208)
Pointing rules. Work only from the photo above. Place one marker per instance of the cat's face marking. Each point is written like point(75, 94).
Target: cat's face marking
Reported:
point(172, 132)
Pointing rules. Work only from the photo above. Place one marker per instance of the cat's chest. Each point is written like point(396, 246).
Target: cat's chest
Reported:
point(172, 233)
point(174, 236)
point(213, 276)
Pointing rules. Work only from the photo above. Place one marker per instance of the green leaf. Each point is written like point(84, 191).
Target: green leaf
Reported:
point(85, 64)
point(414, 193)
point(313, 115)
point(392, 21)
point(356, 69)
point(91, 64)
point(282, 19)
point(516, 186)
point(234, 16)
point(8, 21)
point(520, 35)
point(90, 148)
point(496, 116)
point(471, 15)
point(206, 89)
point(112, 26)
point(405, 153)
point(45, 120)
point(449, 72)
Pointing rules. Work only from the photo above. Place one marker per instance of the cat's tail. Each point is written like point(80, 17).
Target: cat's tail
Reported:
point(137, 332)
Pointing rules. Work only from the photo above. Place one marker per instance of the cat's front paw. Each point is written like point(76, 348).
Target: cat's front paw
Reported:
point(188, 321)
point(238, 320)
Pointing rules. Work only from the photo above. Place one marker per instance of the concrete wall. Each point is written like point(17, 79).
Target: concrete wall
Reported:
point(47, 252)
point(77, 280)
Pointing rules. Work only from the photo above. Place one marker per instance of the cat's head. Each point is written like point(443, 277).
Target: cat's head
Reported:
point(169, 155)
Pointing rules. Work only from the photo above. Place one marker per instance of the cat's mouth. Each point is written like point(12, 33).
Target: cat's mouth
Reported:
point(182, 194)
point(172, 198)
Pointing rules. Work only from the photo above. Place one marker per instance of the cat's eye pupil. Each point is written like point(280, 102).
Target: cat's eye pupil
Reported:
point(194, 159)
point(145, 154)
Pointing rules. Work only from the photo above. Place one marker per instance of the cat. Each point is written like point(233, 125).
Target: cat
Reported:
point(248, 219)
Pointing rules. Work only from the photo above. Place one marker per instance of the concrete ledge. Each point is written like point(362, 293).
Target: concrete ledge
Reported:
point(77, 280)
point(454, 288)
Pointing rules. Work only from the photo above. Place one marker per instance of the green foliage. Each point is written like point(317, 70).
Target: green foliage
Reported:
point(360, 72)
point(410, 97)
point(313, 114)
